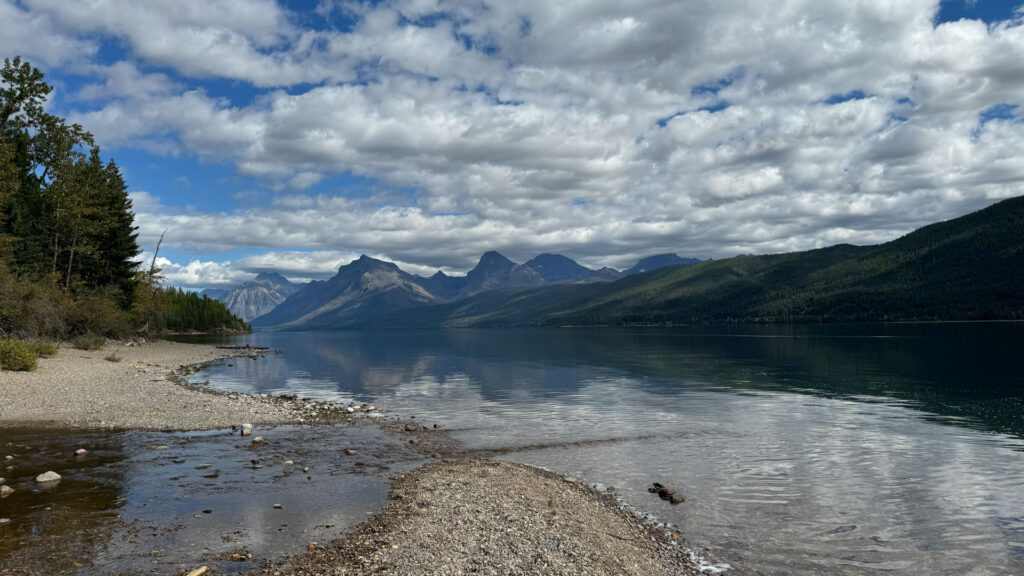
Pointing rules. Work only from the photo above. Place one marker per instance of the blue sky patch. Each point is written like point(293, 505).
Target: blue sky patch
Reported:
point(987, 11)
point(840, 98)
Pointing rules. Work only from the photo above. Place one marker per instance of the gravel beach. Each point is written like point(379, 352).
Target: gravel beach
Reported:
point(82, 389)
point(485, 517)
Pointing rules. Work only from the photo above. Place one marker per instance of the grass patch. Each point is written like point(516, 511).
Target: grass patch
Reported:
point(17, 355)
point(88, 341)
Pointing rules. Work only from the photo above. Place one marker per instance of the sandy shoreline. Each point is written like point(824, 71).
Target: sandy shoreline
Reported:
point(490, 517)
point(80, 389)
point(458, 516)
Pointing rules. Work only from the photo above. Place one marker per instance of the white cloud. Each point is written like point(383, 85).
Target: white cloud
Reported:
point(605, 130)
point(197, 274)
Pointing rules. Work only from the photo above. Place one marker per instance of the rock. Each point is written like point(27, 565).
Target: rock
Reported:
point(657, 486)
point(413, 441)
point(159, 448)
point(665, 493)
point(202, 467)
point(436, 455)
point(278, 507)
point(246, 429)
point(257, 440)
point(6, 491)
point(5, 521)
point(350, 409)
point(288, 463)
point(50, 476)
point(201, 571)
point(2, 480)
point(676, 499)
point(410, 427)
point(350, 452)
point(81, 452)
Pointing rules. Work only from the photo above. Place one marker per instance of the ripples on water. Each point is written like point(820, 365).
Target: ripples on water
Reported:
point(800, 451)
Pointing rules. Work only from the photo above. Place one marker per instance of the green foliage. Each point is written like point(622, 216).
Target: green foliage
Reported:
point(88, 341)
point(16, 355)
point(65, 216)
point(42, 349)
point(183, 311)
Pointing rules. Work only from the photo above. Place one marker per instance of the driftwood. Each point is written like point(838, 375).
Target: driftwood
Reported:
point(246, 347)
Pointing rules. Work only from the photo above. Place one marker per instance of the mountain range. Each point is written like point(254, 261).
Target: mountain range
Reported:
point(368, 288)
point(967, 268)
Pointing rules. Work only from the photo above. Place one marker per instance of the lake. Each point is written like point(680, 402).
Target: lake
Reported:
point(843, 449)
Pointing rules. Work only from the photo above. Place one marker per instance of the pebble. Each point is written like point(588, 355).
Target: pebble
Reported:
point(257, 440)
point(5, 521)
point(49, 476)
point(350, 452)
point(410, 427)
point(2, 480)
point(278, 507)
point(6, 491)
point(199, 571)
point(81, 452)
point(246, 429)
point(288, 463)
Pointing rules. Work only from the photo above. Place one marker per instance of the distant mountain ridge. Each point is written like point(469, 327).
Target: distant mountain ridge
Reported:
point(258, 296)
point(659, 261)
point(360, 290)
point(368, 288)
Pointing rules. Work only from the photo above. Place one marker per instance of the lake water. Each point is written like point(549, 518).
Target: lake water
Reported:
point(800, 449)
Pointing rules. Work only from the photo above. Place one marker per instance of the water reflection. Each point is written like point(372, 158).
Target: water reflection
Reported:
point(968, 373)
point(801, 450)
point(161, 502)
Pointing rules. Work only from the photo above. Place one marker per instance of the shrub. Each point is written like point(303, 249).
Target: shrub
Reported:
point(42, 349)
point(88, 341)
point(16, 355)
point(112, 357)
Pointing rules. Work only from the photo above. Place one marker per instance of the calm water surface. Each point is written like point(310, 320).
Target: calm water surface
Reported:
point(800, 450)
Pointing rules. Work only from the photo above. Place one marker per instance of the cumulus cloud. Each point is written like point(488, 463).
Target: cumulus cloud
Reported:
point(604, 130)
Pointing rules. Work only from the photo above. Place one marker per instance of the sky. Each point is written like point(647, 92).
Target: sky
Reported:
point(293, 136)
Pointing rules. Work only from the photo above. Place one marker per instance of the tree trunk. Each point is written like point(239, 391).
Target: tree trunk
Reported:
point(56, 252)
point(67, 281)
